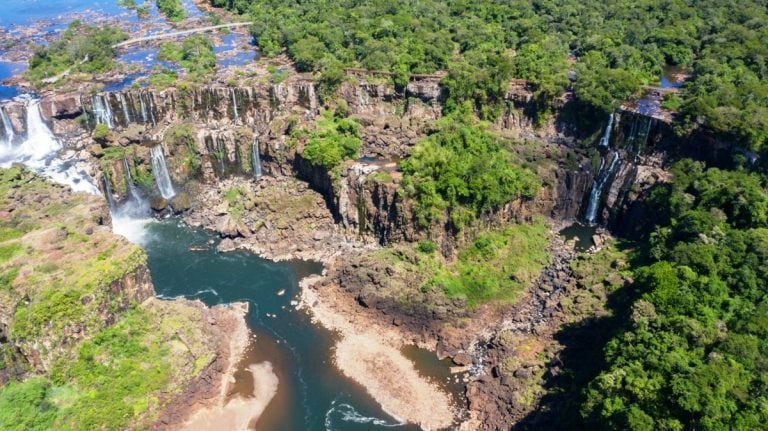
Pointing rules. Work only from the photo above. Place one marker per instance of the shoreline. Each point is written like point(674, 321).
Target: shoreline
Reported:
point(369, 354)
point(208, 398)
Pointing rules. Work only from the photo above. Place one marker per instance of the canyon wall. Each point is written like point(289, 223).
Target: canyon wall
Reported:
point(211, 133)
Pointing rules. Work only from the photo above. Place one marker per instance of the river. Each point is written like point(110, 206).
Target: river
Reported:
point(312, 394)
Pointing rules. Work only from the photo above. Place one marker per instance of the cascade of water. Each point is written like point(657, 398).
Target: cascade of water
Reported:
point(605, 141)
point(150, 108)
point(256, 159)
point(130, 186)
point(108, 193)
point(234, 106)
point(344, 201)
point(160, 171)
point(130, 217)
point(221, 150)
point(109, 116)
point(598, 185)
point(126, 112)
point(39, 152)
point(143, 108)
point(7, 129)
point(102, 112)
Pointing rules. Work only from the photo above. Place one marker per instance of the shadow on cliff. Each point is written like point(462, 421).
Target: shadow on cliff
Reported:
point(580, 361)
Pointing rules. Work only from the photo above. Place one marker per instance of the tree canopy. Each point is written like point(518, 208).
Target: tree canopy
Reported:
point(611, 48)
point(693, 353)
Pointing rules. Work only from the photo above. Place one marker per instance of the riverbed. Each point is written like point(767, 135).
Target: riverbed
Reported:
point(312, 394)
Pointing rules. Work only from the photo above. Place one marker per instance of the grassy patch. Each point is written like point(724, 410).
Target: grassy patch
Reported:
point(497, 266)
point(381, 177)
point(8, 251)
point(113, 153)
point(9, 233)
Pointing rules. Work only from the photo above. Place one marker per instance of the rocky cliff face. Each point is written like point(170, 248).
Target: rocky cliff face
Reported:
point(65, 281)
point(230, 128)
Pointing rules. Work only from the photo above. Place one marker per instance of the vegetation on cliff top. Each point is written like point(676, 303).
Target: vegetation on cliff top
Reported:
point(692, 353)
point(331, 141)
point(195, 55)
point(612, 48)
point(464, 170)
point(61, 287)
point(81, 49)
point(496, 266)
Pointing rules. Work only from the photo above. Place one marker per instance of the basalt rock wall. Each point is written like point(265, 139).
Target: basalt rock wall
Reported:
point(232, 126)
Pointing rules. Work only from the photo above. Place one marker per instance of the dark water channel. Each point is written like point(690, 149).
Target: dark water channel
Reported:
point(312, 394)
point(581, 233)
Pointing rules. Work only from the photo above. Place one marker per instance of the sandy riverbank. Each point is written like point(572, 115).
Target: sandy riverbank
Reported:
point(369, 354)
point(211, 401)
point(240, 412)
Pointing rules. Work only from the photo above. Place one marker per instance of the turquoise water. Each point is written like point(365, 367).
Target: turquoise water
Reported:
point(312, 394)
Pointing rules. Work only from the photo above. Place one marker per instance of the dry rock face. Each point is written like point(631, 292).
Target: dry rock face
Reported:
point(279, 218)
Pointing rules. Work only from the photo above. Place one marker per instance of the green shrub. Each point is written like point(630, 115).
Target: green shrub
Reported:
point(195, 55)
point(427, 246)
point(464, 169)
point(333, 141)
point(25, 406)
point(173, 9)
point(100, 132)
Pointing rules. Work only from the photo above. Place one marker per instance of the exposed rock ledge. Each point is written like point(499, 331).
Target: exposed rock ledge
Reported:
point(277, 218)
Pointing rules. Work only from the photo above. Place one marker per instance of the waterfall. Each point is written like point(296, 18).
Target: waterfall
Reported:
point(130, 216)
point(256, 159)
point(143, 108)
point(102, 112)
point(126, 112)
point(130, 186)
point(605, 141)
point(160, 171)
point(151, 109)
point(234, 106)
point(7, 128)
point(39, 153)
point(598, 186)
point(108, 193)
point(344, 201)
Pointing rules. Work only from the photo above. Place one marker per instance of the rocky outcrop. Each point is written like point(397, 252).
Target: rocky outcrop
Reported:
point(61, 106)
point(67, 279)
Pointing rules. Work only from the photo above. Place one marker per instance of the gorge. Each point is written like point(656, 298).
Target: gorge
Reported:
point(363, 216)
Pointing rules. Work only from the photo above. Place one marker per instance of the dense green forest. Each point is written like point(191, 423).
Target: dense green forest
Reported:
point(693, 355)
point(611, 48)
point(464, 170)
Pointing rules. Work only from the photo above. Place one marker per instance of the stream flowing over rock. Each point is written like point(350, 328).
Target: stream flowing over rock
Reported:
point(244, 131)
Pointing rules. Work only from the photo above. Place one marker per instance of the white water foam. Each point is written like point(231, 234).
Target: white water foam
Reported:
point(39, 152)
point(132, 228)
point(347, 413)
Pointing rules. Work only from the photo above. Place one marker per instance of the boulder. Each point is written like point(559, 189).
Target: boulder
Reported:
point(158, 203)
point(61, 106)
point(228, 227)
point(181, 202)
